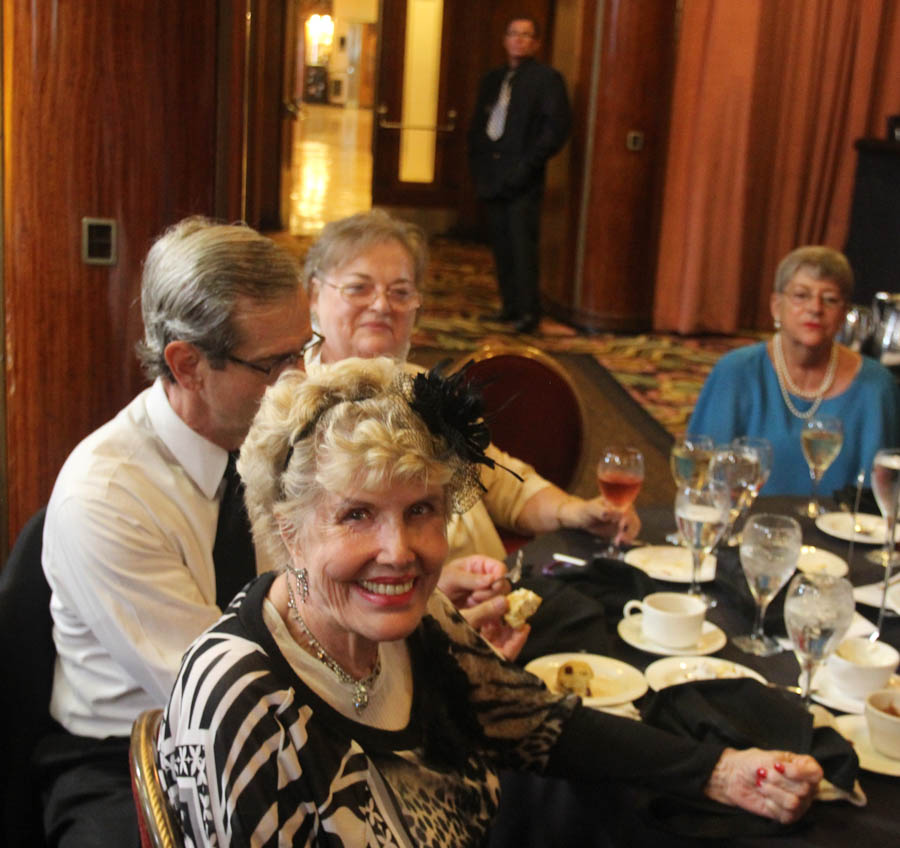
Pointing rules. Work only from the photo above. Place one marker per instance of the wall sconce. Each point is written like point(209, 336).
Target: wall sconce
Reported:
point(319, 38)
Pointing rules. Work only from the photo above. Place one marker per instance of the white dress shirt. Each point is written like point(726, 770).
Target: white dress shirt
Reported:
point(127, 551)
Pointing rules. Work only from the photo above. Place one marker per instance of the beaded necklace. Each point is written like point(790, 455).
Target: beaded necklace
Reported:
point(785, 382)
point(360, 687)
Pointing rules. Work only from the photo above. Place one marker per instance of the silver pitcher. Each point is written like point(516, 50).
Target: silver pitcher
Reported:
point(858, 328)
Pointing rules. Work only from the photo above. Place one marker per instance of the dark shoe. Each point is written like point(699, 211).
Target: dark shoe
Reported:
point(502, 315)
point(526, 324)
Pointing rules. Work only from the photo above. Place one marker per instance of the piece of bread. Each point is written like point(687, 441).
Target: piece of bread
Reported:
point(575, 676)
point(523, 604)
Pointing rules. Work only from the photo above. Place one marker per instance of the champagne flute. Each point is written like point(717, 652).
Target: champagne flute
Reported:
point(821, 439)
point(701, 513)
point(886, 486)
point(770, 548)
point(689, 462)
point(818, 610)
point(738, 469)
point(620, 474)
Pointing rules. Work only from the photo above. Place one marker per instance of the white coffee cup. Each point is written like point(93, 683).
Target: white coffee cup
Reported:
point(859, 666)
point(883, 720)
point(671, 619)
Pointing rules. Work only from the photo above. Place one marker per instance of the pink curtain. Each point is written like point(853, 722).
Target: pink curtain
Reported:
point(769, 98)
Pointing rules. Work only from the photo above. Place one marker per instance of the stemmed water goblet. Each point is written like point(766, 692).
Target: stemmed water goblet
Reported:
point(886, 486)
point(689, 462)
point(818, 610)
point(701, 514)
point(770, 547)
point(620, 474)
point(738, 469)
point(821, 439)
point(764, 456)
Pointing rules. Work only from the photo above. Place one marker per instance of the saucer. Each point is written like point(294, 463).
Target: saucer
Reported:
point(670, 562)
point(671, 671)
point(815, 560)
point(712, 639)
point(840, 525)
point(826, 692)
point(854, 729)
point(617, 682)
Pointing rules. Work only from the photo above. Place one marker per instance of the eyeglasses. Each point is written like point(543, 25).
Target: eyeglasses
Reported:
point(803, 297)
point(401, 296)
point(275, 364)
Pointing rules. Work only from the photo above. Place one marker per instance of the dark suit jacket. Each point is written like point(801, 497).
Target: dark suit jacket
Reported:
point(537, 126)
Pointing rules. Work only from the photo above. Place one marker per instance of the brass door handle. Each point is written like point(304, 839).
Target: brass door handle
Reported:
point(384, 124)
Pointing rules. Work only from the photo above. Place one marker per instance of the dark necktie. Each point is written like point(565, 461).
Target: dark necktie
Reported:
point(233, 554)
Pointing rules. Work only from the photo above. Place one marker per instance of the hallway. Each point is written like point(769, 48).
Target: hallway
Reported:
point(331, 166)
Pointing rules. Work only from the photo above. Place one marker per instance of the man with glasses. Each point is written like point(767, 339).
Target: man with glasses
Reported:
point(521, 119)
point(146, 539)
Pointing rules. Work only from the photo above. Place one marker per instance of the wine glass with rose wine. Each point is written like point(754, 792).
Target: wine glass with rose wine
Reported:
point(886, 486)
point(770, 547)
point(818, 610)
point(701, 514)
point(689, 463)
point(620, 474)
point(821, 439)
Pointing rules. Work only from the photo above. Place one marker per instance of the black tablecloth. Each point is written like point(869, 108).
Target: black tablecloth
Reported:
point(581, 610)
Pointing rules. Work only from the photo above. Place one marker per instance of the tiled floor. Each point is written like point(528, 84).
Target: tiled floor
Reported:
point(331, 166)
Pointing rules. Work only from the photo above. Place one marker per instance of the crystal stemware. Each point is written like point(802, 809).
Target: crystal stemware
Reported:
point(818, 610)
point(886, 486)
point(821, 439)
point(738, 469)
point(689, 462)
point(620, 475)
point(764, 457)
point(770, 547)
point(701, 514)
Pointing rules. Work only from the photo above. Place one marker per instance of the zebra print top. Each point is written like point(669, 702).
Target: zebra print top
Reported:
point(250, 755)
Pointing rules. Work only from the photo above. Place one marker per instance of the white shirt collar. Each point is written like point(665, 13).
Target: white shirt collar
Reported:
point(203, 461)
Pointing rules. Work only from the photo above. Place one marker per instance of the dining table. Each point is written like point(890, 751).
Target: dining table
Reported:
point(582, 613)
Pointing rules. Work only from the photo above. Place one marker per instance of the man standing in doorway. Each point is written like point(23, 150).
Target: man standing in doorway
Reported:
point(521, 119)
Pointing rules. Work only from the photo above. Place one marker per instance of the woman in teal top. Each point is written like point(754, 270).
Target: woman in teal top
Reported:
point(770, 389)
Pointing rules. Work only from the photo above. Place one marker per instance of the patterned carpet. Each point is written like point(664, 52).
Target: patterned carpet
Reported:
point(662, 372)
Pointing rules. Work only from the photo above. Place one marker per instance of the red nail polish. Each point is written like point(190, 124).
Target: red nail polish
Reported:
point(761, 773)
point(779, 767)
point(758, 782)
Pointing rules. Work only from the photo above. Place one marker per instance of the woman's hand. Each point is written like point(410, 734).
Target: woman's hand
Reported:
point(597, 516)
point(470, 580)
point(487, 619)
point(776, 784)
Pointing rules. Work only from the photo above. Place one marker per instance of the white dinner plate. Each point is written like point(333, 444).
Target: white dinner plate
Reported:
point(671, 671)
point(617, 681)
point(840, 525)
point(815, 560)
point(670, 562)
point(855, 729)
point(826, 692)
point(712, 639)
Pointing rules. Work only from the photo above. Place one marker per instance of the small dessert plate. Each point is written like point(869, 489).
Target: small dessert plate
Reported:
point(855, 729)
point(614, 681)
point(674, 670)
point(670, 562)
point(712, 639)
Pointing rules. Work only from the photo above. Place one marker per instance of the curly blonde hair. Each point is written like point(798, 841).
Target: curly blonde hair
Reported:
point(347, 426)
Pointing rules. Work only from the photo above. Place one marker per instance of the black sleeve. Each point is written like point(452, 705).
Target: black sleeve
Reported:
point(595, 746)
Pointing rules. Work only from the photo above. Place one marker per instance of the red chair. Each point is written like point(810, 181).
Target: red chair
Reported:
point(157, 823)
point(532, 408)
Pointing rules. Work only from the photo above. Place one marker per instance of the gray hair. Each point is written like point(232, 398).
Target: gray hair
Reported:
point(192, 276)
point(344, 240)
point(822, 263)
point(346, 425)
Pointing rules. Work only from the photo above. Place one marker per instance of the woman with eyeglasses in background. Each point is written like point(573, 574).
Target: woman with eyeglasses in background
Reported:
point(773, 388)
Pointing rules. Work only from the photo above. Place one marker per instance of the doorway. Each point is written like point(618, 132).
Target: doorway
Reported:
point(330, 81)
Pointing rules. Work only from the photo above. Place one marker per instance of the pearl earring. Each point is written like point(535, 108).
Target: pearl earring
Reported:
point(777, 324)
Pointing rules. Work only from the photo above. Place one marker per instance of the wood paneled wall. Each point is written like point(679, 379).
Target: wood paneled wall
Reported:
point(601, 216)
point(110, 111)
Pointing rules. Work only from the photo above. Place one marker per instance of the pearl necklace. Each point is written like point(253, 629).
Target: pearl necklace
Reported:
point(360, 687)
point(785, 382)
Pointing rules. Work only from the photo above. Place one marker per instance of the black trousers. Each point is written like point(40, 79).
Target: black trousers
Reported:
point(86, 792)
point(515, 234)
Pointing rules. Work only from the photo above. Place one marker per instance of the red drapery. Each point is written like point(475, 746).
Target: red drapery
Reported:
point(769, 98)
